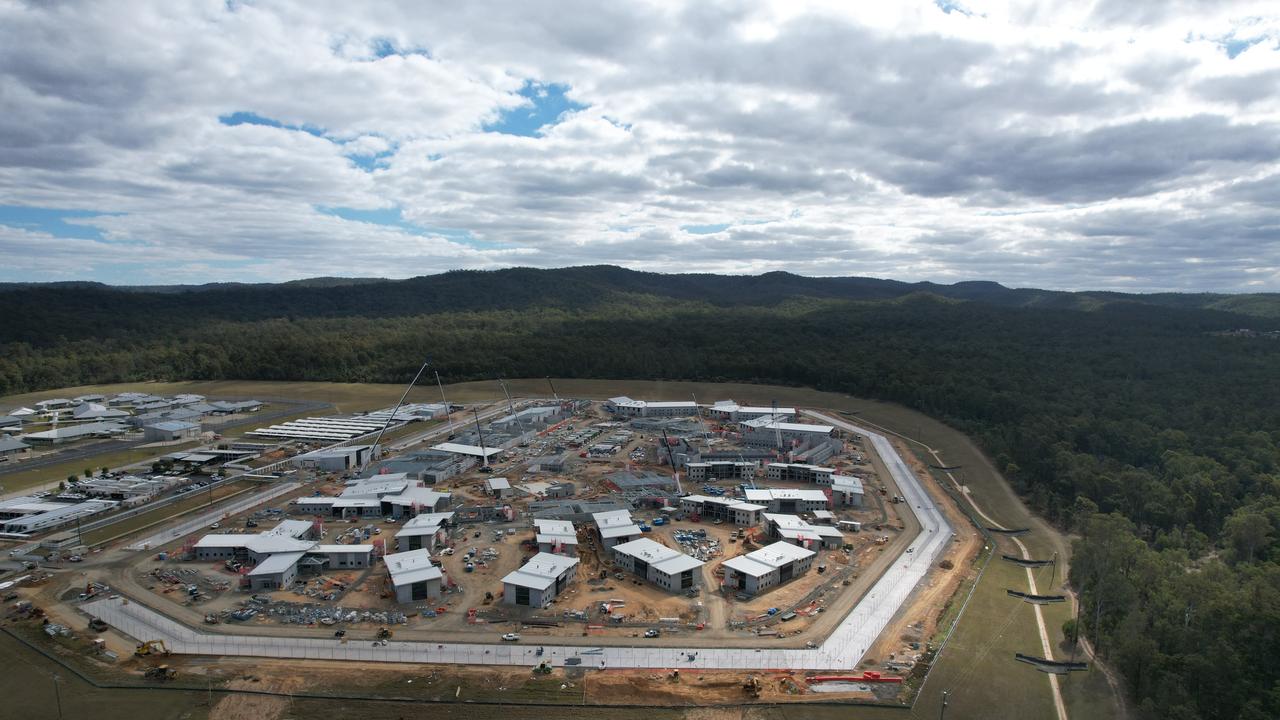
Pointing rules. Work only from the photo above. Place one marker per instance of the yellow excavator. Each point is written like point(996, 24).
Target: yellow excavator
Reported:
point(151, 647)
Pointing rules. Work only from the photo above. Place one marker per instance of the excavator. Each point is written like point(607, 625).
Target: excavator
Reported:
point(752, 686)
point(151, 647)
point(384, 633)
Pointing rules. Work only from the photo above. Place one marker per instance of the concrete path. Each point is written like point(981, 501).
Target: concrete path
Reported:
point(842, 650)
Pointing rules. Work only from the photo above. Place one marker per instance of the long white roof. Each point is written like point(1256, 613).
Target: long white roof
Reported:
point(767, 494)
point(471, 450)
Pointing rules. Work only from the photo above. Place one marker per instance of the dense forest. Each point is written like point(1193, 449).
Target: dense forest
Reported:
point(1149, 425)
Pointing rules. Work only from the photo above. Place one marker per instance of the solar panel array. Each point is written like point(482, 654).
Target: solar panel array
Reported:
point(320, 428)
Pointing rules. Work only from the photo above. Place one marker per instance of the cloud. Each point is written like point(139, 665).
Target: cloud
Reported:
point(1126, 145)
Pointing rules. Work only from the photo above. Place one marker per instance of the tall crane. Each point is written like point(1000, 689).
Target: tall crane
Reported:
point(448, 413)
point(671, 456)
point(777, 427)
point(706, 440)
point(484, 454)
point(511, 406)
point(392, 416)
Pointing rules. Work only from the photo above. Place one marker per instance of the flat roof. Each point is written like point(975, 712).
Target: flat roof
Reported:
point(768, 494)
point(328, 549)
point(730, 502)
point(541, 571)
point(498, 483)
point(846, 483)
point(264, 544)
point(411, 567)
point(471, 450)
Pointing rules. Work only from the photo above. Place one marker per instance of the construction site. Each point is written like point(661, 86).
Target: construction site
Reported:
point(638, 540)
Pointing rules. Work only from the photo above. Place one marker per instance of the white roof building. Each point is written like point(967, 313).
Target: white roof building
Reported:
point(768, 559)
point(658, 556)
point(794, 529)
point(552, 533)
point(411, 567)
point(541, 571)
point(615, 524)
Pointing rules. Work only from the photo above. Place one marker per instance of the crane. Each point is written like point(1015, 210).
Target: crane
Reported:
point(554, 394)
point(706, 440)
point(484, 455)
point(511, 406)
point(392, 416)
point(448, 413)
point(671, 456)
point(777, 427)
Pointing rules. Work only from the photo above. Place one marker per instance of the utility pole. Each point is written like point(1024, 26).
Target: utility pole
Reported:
point(942, 711)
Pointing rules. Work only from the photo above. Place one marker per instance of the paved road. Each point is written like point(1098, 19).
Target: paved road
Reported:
point(842, 650)
point(208, 518)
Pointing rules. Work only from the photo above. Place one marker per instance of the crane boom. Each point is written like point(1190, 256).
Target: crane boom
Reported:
point(448, 413)
point(672, 457)
point(394, 410)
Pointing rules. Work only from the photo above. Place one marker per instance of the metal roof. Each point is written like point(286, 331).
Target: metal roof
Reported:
point(411, 567)
point(541, 571)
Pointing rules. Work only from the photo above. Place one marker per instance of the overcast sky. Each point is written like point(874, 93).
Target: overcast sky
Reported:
point(1129, 145)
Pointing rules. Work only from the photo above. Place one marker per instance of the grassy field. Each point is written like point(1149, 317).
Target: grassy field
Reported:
point(27, 686)
point(977, 668)
point(194, 501)
point(52, 473)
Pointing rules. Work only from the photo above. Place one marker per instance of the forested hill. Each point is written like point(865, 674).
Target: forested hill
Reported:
point(43, 313)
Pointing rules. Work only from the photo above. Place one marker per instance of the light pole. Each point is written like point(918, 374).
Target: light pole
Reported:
point(57, 695)
point(942, 711)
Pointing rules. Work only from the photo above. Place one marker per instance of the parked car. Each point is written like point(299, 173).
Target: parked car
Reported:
point(511, 637)
point(652, 633)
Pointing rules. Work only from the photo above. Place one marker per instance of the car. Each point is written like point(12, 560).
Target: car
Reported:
point(652, 633)
point(511, 637)
point(215, 526)
point(75, 558)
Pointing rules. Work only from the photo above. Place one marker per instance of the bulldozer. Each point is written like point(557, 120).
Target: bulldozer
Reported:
point(151, 647)
point(160, 673)
point(752, 686)
point(384, 633)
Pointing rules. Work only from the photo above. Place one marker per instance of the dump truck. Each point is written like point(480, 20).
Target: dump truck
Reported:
point(160, 673)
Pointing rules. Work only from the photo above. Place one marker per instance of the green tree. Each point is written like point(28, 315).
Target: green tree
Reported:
point(1247, 532)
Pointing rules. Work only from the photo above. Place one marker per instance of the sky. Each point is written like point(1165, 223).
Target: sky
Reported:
point(1127, 145)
